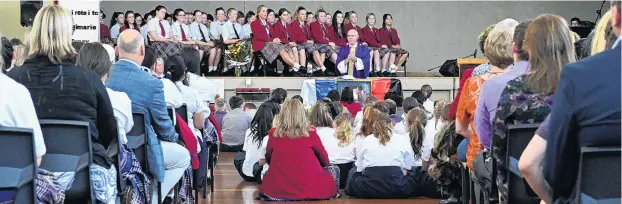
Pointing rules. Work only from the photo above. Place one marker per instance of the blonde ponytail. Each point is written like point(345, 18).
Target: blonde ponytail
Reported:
point(343, 131)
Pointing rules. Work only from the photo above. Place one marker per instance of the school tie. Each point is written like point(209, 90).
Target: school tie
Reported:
point(235, 31)
point(304, 30)
point(202, 35)
point(183, 33)
point(351, 64)
point(162, 29)
point(324, 31)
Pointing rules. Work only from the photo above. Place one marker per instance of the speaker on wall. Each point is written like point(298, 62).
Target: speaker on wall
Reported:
point(28, 11)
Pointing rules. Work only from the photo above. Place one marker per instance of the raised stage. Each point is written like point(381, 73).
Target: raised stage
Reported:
point(443, 86)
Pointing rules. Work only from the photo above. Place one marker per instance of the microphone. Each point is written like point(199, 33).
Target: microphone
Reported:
point(475, 53)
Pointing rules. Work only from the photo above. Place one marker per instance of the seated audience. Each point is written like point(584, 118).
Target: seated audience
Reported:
point(547, 40)
point(349, 102)
point(197, 109)
point(250, 109)
point(250, 161)
point(408, 104)
point(156, 67)
point(220, 111)
point(382, 159)
point(591, 121)
point(358, 117)
point(278, 95)
point(95, 56)
point(167, 159)
point(234, 125)
point(265, 41)
point(380, 51)
point(392, 109)
point(422, 143)
point(389, 37)
point(297, 159)
point(282, 31)
point(61, 90)
point(325, 46)
point(200, 34)
point(498, 48)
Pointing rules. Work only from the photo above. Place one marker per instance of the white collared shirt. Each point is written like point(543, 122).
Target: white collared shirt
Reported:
point(122, 106)
point(215, 29)
point(428, 104)
point(154, 25)
point(194, 105)
point(195, 31)
point(177, 30)
point(144, 30)
point(172, 96)
point(253, 151)
point(336, 154)
point(18, 110)
point(206, 89)
point(247, 30)
point(396, 152)
point(115, 30)
point(228, 33)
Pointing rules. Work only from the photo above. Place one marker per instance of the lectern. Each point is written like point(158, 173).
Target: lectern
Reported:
point(467, 63)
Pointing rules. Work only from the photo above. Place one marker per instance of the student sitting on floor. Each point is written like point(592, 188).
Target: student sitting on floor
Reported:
point(338, 141)
point(247, 161)
point(297, 159)
point(382, 159)
point(421, 142)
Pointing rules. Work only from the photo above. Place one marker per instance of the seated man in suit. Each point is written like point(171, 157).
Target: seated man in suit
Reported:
point(576, 120)
point(353, 59)
point(167, 160)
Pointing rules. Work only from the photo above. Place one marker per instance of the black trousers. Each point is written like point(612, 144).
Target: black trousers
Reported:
point(422, 184)
point(344, 169)
point(233, 148)
point(238, 162)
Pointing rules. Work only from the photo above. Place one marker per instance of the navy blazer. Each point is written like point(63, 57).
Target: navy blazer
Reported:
point(147, 95)
point(586, 112)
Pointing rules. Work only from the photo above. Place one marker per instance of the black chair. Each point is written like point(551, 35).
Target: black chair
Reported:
point(137, 141)
point(19, 170)
point(183, 112)
point(258, 57)
point(518, 137)
point(58, 136)
point(598, 179)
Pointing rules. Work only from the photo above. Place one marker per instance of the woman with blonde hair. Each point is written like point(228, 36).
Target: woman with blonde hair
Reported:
point(297, 159)
point(61, 90)
point(528, 98)
point(383, 159)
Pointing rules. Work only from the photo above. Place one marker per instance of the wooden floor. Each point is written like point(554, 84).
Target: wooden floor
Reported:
point(231, 188)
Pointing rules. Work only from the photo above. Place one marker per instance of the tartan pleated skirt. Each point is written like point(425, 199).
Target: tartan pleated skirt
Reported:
point(271, 50)
point(324, 48)
point(382, 51)
point(167, 49)
point(398, 51)
point(308, 47)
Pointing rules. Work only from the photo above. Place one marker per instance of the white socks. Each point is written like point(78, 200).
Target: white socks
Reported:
point(384, 70)
point(393, 68)
point(309, 69)
point(323, 68)
point(212, 68)
point(296, 67)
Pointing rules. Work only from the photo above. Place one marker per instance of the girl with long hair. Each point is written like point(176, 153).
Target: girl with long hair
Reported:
point(392, 40)
point(297, 159)
point(264, 41)
point(352, 20)
point(373, 38)
point(255, 142)
point(282, 31)
point(383, 159)
point(338, 29)
point(129, 22)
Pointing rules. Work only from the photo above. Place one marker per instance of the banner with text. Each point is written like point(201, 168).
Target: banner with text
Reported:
point(85, 19)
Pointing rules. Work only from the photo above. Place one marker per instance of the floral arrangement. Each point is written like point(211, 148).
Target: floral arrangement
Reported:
point(238, 53)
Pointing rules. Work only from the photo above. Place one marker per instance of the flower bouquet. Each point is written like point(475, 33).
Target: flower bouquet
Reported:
point(238, 55)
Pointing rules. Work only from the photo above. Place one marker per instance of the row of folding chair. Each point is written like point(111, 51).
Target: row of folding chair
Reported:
point(598, 180)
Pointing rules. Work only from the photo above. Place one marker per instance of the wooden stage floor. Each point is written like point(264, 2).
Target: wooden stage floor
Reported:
point(230, 188)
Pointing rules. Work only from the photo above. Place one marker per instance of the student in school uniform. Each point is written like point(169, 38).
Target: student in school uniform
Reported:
point(392, 39)
point(338, 29)
point(324, 45)
point(130, 22)
point(200, 34)
point(352, 20)
point(422, 143)
point(181, 32)
point(247, 162)
point(381, 54)
point(282, 31)
point(115, 25)
point(160, 35)
point(383, 159)
point(337, 137)
point(302, 36)
point(271, 18)
point(297, 158)
point(310, 17)
point(216, 32)
point(232, 33)
point(248, 19)
point(263, 40)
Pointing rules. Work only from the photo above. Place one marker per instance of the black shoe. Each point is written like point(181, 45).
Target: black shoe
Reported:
point(393, 74)
point(318, 73)
point(373, 74)
point(329, 73)
point(454, 196)
point(386, 74)
point(168, 200)
point(297, 74)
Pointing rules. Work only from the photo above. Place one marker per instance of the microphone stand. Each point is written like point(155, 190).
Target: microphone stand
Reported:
point(474, 55)
point(599, 12)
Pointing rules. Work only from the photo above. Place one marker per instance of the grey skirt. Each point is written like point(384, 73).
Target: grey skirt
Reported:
point(398, 51)
point(271, 50)
point(324, 48)
point(308, 47)
point(382, 51)
point(166, 49)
